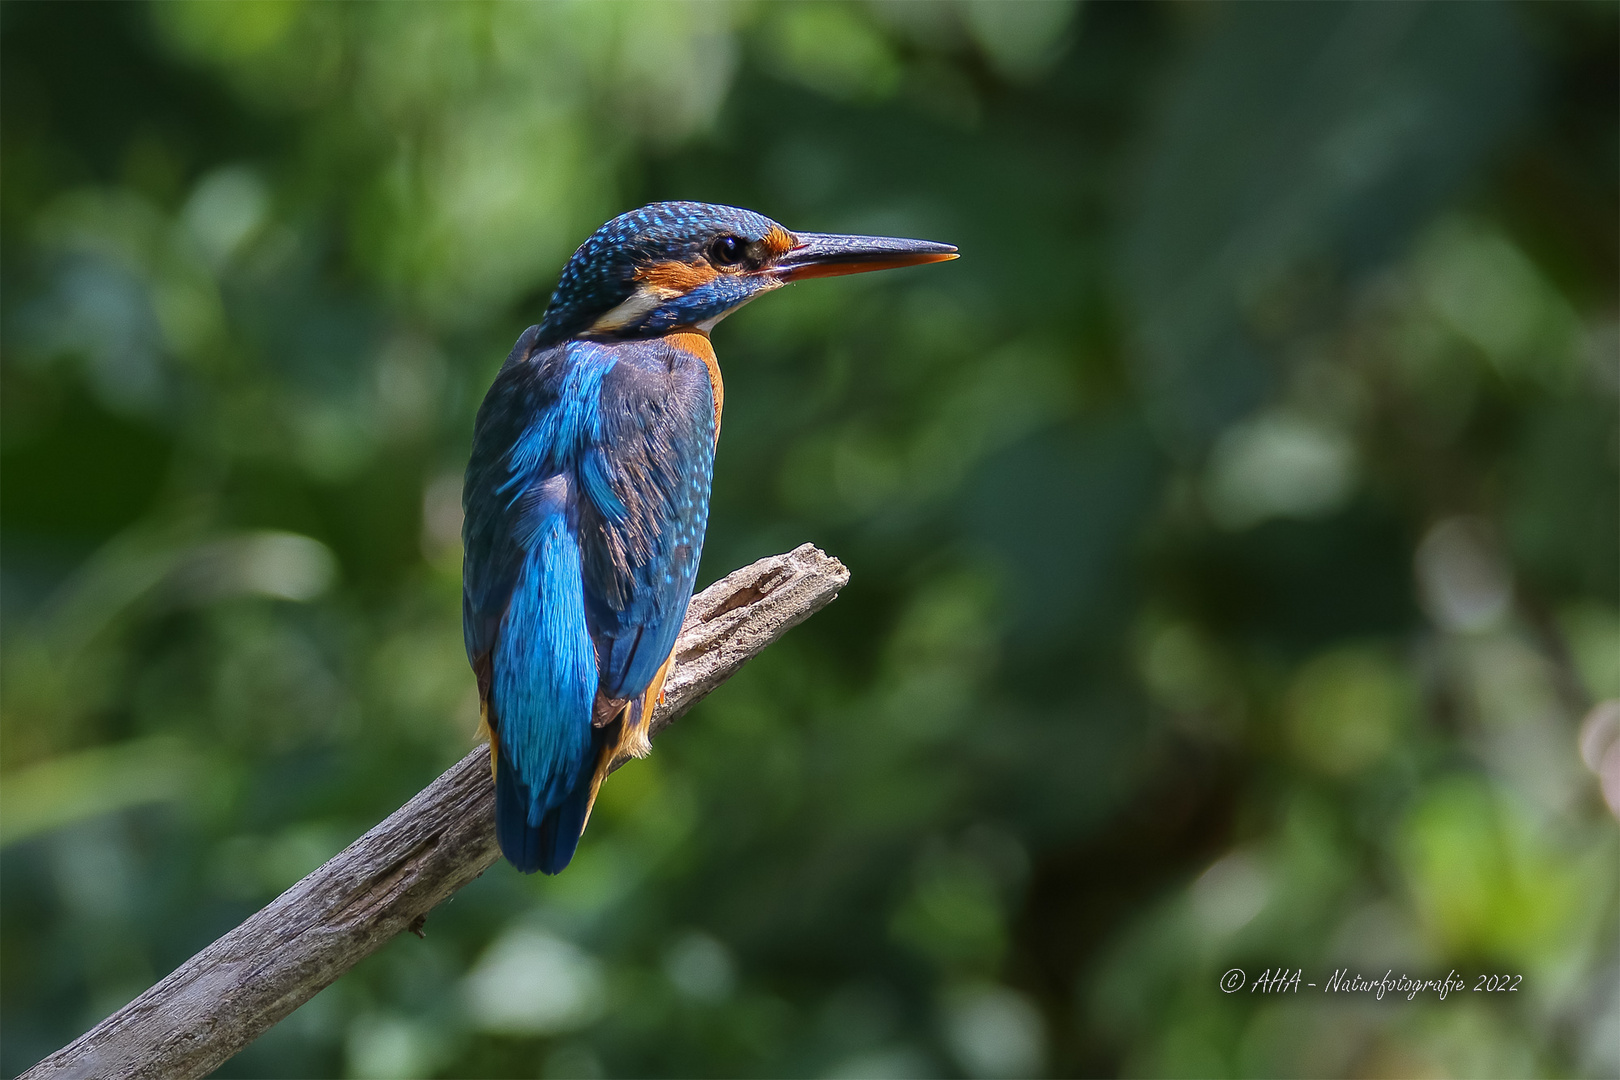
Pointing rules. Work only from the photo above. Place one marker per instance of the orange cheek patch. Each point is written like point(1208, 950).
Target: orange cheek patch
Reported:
point(675, 278)
point(778, 241)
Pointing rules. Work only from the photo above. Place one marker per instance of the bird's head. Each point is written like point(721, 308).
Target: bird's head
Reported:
point(687, 264)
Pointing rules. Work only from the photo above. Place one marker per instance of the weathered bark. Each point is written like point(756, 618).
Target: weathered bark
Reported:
point(388, 880)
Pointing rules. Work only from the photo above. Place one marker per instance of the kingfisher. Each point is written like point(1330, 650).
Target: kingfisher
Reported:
point(587, 495)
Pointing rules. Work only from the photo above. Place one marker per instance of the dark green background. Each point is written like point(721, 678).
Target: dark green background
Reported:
point(1232, 528)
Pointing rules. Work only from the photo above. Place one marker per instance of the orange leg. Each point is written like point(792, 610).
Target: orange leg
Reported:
point(633, 724)
point(487, 731)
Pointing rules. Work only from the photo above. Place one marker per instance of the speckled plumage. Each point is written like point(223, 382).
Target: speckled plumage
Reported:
point(587, 496)
point(586, 504)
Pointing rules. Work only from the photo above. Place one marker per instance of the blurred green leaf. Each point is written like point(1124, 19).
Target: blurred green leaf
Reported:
point(104, 780)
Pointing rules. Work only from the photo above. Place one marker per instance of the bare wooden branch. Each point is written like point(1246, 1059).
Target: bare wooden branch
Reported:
point(388, 880)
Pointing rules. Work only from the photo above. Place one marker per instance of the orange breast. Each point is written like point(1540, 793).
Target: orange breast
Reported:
point(697, 343)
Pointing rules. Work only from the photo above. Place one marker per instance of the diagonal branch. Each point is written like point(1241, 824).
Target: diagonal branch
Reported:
point(388, 880)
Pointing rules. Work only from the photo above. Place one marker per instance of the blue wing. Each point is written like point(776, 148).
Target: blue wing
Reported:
point(586, 500)
point(646, 486)
point(491, 556)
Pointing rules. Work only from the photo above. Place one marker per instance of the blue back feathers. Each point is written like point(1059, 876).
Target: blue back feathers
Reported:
point(586, 502)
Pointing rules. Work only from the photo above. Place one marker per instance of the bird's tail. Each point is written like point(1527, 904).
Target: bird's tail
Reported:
point(549, 845)
point(543, 679)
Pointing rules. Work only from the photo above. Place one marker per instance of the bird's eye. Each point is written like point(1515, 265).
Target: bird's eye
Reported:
point(727, 251)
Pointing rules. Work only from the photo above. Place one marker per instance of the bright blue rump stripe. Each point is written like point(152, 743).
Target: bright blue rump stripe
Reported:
point(545, 666)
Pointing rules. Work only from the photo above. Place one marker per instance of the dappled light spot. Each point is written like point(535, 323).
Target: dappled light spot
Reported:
point(1228, 895)
point(529, 982)
point(994, 1031)
point(1464, 582)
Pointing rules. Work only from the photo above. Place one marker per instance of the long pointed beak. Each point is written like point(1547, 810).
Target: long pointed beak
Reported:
point(828, 255)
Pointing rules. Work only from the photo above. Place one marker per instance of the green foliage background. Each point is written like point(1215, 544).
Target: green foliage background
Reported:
point(1232, 528)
